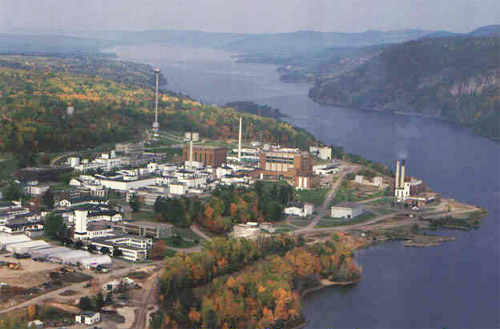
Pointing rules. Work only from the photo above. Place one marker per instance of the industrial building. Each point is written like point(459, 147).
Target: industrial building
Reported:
point(8, 239)
point(128, 148)
point(347, 210)
point(290, 164)
point(132, 248)
point(300, 210)
point(326, 169)
point(214, 156)
point(145, 229)
point(322, 152)
point(376, 181)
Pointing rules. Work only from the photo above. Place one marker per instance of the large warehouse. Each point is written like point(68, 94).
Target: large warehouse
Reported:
point(8, 239)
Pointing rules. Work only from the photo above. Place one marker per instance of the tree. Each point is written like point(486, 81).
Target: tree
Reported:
point(54, 227)
point(134, 203)
point(32, 311)
point(48, 199)
point(13, 191)
point(99, 301)
point(85, 303)
point(159, 249)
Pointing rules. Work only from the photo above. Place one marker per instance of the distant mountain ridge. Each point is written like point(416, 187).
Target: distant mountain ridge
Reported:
point(453, 78)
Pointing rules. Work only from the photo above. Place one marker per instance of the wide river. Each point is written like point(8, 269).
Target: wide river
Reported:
point(455, 285)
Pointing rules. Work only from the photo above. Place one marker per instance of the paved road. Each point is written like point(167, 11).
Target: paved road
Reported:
point(323, 210)
point(199, 232)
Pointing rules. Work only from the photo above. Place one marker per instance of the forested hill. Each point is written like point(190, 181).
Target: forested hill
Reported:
point(54, 104)
point(453, 78)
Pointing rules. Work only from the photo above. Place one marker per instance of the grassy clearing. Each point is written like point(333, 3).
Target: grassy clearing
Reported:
point(143, 215)
point(381, 202)
point(284, 228)
point(186, 233)
point(330, 222)
point(345, 194)
point(179, 242)
point(300, 222)
point(316, 196)
point(383, 211)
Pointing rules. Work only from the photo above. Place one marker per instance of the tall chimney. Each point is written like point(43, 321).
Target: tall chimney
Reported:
point(239, 142)
point(156, 125)
point(402, 184)
point(396, 182)
point(191, 152)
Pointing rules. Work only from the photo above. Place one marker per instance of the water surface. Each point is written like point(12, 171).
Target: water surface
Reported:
point(455, 284)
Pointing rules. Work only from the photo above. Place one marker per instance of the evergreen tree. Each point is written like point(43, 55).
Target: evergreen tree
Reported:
point(48, 199)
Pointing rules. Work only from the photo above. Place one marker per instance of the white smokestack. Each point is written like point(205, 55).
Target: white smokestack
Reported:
point(239, 142)
point(402, 184)
point(156, 125)
point(191, 153)
point(396, 183)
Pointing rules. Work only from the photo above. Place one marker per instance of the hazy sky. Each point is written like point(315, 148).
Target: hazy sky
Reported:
point(255, 16)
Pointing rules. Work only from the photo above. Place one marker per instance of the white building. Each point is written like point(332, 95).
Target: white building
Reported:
point(86, 231)
point(84, 200)
point(323, 152)
point(303, 182)
point(347, 210)
point(125, 184)
point(194, 136)
point(132, 248)
point(247, 230)
point(377, 181)
point(325, 169)
point(177, 189)
point(304, 210)
point(36, 190)
point(88, 318)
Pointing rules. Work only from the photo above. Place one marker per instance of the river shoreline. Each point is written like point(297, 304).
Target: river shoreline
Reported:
point(456, 162)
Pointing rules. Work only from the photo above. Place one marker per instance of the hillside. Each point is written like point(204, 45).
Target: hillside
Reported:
point(55, 104)
point(454, 78)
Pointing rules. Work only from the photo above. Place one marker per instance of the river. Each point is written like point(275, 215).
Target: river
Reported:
point(454, 285)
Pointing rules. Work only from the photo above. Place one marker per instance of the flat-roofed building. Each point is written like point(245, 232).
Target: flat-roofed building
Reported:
point(347, 210)
point(144, 229)
point(290, 164)
point(214, 156)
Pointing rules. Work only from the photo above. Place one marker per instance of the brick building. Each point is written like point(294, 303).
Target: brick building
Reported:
point(291, 165)
point(213, 156)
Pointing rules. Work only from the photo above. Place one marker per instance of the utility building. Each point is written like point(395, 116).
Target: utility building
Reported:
point(290, 164)
point(214, 156)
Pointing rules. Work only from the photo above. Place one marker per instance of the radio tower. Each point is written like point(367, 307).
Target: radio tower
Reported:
point(156, 125)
